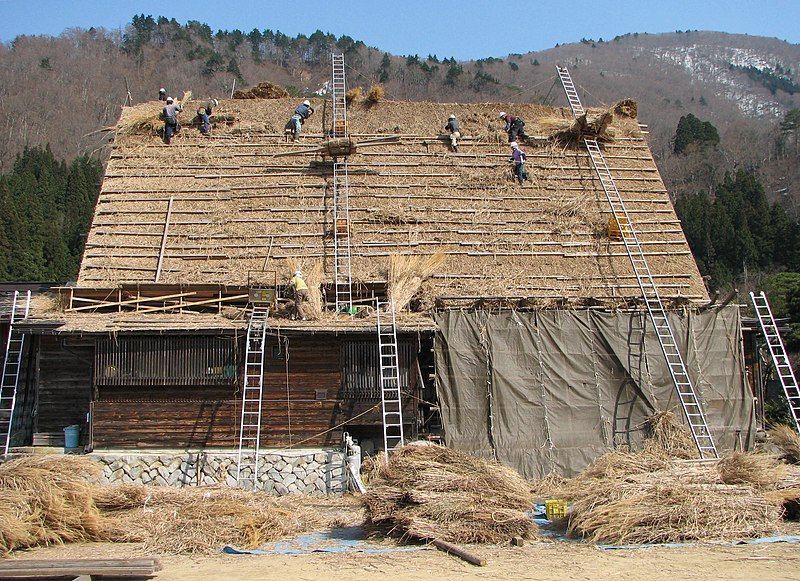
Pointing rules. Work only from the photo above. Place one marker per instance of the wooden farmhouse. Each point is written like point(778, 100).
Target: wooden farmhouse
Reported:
point(521, 329)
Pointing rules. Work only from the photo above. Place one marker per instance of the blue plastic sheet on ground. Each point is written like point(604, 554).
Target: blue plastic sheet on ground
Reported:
point(340, 540)
point(759, 541)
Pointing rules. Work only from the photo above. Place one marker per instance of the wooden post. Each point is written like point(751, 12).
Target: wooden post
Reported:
point(452, 549)
point(164, 239)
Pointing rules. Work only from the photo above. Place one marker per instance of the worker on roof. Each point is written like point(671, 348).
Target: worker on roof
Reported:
point(518, 157)
point(162, 94)
point(204, 113)
point(515, 127)
point(303, 111)
point(170, 113)
point(299, 290)
point(455, 133)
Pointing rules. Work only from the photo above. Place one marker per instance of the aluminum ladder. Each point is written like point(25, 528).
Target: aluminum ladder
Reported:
point(776, 348)
point(391, 404)
point(571, 91)
point(342, 264)
point(12, 365)
point(692, 407)
point(342, 267)
point(338, 89)
point(250, 426)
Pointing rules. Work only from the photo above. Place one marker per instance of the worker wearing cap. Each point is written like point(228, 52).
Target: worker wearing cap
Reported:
point(455, 134)
point(303, 111)
point(170, 113)
point(515, 127)
point(204, 113)
point(518, 157)
point(162, 94)
point(300, 291)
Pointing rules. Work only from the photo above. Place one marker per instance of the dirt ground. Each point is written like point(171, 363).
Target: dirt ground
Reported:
point(541, 561)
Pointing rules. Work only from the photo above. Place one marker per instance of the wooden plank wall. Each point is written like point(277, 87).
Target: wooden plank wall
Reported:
point(63, 384)
point(208, 417)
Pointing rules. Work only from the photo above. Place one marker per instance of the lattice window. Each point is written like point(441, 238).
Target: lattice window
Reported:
point(360, 371)
point(166, 361)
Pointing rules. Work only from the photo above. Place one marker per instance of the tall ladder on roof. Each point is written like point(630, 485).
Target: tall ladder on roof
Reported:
point(12, 365)
point(342, 271)
point(250, 426)
point(776, 348)
point(391, 403)
point(692, 407)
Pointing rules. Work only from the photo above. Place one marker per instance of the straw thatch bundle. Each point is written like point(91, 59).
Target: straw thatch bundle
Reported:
point(589, 125)
point(627, 108)
point(265, 90)
point(756, 469)
point(787, 441)
point(668, 435)
point(664, 511)
point(433, 492)
point(201, 520)
point(55, 499)
point(407, 273)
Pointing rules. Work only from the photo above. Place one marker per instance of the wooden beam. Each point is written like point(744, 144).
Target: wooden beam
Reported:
point(164, 240)
point(187, 305)
point(128, 302)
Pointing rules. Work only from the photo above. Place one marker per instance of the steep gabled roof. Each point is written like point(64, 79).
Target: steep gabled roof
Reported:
point(237, 209)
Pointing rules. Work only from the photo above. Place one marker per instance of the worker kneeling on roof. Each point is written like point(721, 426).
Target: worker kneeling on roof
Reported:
point(515, 127)
point(299, 290)
point(455, 133)
point(303, 111)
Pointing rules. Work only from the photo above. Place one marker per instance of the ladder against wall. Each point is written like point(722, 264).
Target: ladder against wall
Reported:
point(12, 365)
point(342, 265)
point(252, 391)
point(777, 350)
point(388, 360)
point(692, 408)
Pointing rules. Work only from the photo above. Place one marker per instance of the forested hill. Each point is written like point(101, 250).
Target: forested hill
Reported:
point(732, 99)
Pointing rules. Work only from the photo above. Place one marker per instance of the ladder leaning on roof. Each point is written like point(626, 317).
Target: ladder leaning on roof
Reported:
point(388, 362)
point(692, 407)
point(250, 426)
point(778, 352)
point(12, 363)
point(342, 269)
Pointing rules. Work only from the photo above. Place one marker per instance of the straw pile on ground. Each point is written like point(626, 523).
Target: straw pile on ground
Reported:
point(430, 492)
point(656, 496)
point(53, 500)
point(265, 90)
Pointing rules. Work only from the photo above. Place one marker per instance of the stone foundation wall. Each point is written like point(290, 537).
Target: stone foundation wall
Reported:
point(302, 472)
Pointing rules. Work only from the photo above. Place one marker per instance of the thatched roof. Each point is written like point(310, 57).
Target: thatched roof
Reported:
point(237, 209)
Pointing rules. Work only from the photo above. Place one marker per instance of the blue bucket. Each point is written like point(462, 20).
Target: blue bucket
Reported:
point(71, 435)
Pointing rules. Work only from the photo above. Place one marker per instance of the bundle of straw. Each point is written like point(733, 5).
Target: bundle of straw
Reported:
point(787, 441)
point(667, 434)
point(433, 492)
point(56, 499)
point(407, 273)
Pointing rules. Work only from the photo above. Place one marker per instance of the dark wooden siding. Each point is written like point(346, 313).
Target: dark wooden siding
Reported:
point(305, 415)
point(63, 384)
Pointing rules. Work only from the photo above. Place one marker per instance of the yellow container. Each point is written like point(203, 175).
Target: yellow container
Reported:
point(555, 509)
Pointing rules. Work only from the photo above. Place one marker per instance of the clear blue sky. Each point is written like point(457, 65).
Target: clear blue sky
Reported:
point(465, 29)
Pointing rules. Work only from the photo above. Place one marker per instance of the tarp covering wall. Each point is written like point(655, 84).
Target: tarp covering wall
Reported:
point(552, 390)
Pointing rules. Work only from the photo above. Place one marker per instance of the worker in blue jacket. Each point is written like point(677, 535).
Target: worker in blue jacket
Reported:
point(518, 157)
point(303, 111)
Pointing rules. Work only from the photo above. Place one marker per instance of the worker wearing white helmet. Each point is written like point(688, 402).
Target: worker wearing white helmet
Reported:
point(515, 127)
point(303, 111)
point(455, 132)
point(299, 290)
point(162, 94)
